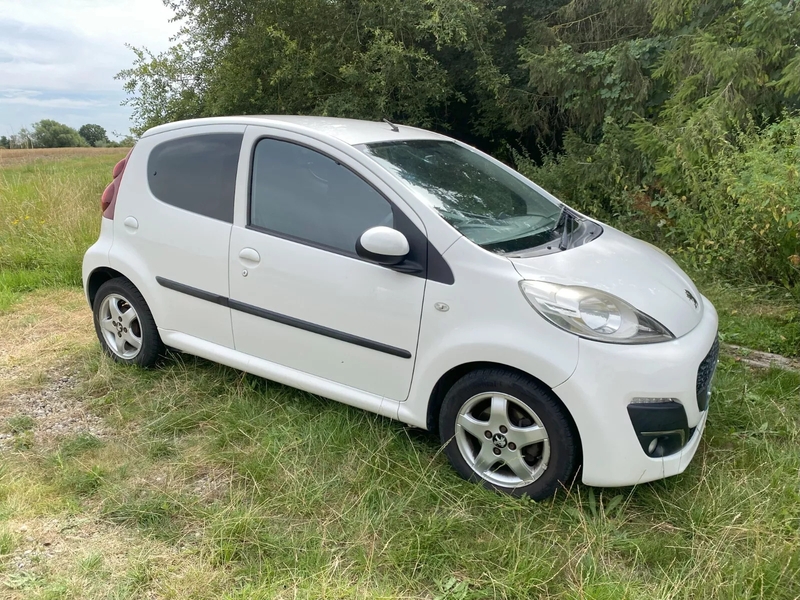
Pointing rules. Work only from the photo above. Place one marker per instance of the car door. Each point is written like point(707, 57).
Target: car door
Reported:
point(300, 295)
point(172, 226)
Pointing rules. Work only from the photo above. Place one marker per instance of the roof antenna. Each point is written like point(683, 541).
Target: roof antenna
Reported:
point(394, 127)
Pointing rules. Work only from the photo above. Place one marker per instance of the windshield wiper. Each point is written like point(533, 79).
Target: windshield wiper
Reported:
point(564, 221)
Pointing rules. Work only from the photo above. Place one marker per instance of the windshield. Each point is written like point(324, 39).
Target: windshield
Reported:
point(483, 201)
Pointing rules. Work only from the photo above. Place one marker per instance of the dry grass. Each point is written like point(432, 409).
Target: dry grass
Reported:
point(82, 556)
point(41, 333)
point(46, 548)
point(19, 157)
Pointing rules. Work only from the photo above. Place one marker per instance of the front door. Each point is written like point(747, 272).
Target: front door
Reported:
point(299, 294)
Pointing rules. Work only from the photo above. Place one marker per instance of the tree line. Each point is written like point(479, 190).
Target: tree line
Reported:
point(52, 134)
point(677, 120)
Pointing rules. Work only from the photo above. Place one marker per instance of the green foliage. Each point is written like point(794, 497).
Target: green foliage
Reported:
point(370, 58)
point(737, 215)
point(127, 142)
point(52, 134)
point(687, 134)
point(95, 135)
point(674, 120)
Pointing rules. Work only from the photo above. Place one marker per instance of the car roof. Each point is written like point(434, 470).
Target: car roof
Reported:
point(349, 131)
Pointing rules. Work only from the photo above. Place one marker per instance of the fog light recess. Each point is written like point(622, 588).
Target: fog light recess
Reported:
point(660, 424)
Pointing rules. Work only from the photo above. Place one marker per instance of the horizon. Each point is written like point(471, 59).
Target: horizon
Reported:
point(58, 61)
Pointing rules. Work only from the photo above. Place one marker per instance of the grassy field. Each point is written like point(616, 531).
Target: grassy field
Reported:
point(197, 481)
point(49, 214)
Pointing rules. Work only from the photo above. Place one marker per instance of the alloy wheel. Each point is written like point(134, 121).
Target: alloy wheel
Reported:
point(120, 326)
point(502, 439)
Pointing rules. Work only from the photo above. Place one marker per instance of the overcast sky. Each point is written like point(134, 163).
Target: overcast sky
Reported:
point(58, 58)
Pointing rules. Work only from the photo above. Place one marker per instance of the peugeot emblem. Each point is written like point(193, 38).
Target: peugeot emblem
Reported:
point(691, 297)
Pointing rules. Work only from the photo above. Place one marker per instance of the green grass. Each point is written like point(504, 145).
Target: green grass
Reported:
point(20, 423)
point(325, 500)
point(7, 542)
point(49, 215)
point(209, 483)
point(758, 317)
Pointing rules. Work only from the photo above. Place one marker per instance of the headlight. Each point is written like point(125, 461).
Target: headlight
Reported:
point(593, 314)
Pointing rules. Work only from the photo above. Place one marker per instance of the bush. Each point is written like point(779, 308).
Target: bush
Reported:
point(736, 212)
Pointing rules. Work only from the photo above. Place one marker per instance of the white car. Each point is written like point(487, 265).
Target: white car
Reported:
point(403, 272)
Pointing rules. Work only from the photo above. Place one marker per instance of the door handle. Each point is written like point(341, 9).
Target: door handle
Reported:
point(249, 256)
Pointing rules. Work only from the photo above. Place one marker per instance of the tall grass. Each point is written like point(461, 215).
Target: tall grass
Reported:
point(49, 215)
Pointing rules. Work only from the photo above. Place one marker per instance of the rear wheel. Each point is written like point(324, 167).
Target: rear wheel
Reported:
point(510, 433)
point(124, 324)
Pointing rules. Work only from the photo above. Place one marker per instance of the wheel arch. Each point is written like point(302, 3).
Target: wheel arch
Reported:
point(447, 380)
point(97, 278)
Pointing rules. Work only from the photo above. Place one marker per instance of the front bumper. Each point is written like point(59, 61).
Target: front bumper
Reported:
point(607, 379)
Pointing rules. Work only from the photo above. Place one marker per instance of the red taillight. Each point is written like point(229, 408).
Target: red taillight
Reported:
point(109, 198)
point(119, 167)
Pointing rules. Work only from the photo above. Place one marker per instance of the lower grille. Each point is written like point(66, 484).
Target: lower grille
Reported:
point(705, 373)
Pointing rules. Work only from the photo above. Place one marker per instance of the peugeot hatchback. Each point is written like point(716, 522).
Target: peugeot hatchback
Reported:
point(406, 273)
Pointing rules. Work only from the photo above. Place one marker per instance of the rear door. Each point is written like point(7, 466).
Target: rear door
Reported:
point(172, 227)
point(300, 296)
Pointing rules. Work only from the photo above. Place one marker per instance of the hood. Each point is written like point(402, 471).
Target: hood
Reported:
point(631, 269)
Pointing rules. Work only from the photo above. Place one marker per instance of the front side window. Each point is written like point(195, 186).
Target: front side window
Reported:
point(306, 196)
point(197, 173)
point(484, 202)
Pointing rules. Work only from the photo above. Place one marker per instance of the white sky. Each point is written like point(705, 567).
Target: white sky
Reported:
point(58, 58)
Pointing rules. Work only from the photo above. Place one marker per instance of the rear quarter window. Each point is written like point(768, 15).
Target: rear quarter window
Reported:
point(197, 173)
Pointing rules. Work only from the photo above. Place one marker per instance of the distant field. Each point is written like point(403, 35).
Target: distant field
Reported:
point(194, 480)
point(12, 157)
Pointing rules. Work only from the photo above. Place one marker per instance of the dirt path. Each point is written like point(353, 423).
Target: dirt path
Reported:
point(37, 343)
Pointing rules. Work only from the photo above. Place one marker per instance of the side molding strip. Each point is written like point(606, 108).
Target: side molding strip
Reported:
point(283, 319)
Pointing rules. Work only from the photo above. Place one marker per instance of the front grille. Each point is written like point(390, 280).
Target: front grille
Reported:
point(705, 373)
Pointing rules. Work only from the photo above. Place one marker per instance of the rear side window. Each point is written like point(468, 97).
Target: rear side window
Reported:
point(197, 173)
point(306, 196)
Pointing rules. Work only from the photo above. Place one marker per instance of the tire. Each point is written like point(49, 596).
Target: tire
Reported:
point(124, 324)
point(510, 433)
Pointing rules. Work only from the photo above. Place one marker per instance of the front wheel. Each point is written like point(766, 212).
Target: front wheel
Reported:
point(124, 324)
point(510, 433)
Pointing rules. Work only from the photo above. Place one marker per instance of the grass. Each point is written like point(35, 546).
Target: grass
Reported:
point(20, 423)
point(762, 318)
point(209, 483)
point(49, 215)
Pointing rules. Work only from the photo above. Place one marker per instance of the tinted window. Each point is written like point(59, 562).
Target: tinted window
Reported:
point(302, 194)
point(197, 173)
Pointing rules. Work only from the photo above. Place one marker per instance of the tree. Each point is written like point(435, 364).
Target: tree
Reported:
point(127, 142)
point(22, 139)
point(414, 61)
point(52, 134)
point(636, 111)
point(94, 135)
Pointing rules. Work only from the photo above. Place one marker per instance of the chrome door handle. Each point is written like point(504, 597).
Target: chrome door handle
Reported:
point(249, 256)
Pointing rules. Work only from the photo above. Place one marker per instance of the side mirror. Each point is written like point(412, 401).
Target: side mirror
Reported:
point(382, 245)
